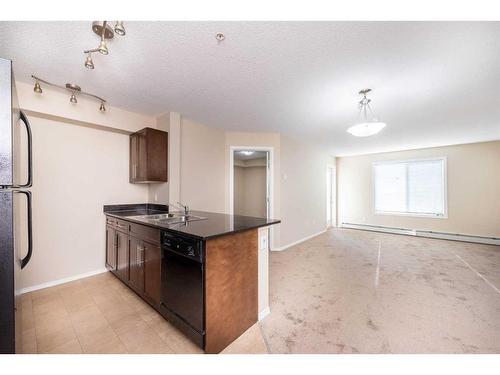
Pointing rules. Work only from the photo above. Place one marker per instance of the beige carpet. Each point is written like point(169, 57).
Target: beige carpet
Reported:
point(333, 294)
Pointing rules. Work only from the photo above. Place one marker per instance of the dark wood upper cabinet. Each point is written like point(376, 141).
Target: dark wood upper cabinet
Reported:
point(149, 156)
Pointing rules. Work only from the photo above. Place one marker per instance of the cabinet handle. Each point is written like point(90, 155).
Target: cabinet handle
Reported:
point(139, 257)
point(116, 241)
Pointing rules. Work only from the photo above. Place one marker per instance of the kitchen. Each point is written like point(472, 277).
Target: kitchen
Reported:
point(142, 260)
point(226, 194)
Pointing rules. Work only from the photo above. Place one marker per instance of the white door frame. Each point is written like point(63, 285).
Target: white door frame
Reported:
point(333, 194)
point(269, 179)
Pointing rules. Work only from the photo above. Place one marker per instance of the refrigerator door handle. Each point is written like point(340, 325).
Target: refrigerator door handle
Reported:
point(27, 258)
point(29, 181)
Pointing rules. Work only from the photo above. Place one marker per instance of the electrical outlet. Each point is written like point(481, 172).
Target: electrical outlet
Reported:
point(156, 197)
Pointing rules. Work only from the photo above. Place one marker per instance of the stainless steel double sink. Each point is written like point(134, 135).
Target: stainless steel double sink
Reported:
point(169, 218)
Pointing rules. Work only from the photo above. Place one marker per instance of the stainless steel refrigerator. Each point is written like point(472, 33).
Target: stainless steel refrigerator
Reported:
point(16, 175)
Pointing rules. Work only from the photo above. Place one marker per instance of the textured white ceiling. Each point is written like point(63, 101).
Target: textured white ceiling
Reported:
point(434, 83)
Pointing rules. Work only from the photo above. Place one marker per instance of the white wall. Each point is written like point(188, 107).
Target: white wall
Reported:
point(202, 167)
point(473, 174)
point(81, 162)
point(303, 190)
point(76, 171)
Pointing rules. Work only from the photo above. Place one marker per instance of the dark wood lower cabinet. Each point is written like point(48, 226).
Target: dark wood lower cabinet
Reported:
point(133, 253)
point(110, 248)
point(152, 272)
point(136, 264)
point(122, 257)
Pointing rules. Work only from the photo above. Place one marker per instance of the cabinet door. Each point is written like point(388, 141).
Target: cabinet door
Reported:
point(142, 167)
point(134, 157)
point(110, 248)
point(136, 264)
point(122, 246)
point(152, 272)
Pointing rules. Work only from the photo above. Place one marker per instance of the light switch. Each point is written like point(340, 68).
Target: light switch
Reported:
point(263, 242)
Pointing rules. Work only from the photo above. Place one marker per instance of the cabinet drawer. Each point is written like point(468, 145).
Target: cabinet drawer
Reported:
point(122, 225)
point(111, 221)
point(145, 233)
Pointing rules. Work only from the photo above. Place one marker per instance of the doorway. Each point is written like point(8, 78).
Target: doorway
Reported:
point(251, 191)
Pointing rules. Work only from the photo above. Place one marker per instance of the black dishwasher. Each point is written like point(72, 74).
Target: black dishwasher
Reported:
point(182, 289)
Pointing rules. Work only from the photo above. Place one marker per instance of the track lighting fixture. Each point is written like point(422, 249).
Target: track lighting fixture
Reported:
point(72, 88)
point(103, 48)
point(105, 32)
point(119, 28)
point(37, 88)
point(88, 61)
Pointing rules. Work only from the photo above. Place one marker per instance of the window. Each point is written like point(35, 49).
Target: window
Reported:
point(413, 187)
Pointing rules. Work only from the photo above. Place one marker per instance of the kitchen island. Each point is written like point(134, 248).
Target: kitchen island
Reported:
point(199, 270)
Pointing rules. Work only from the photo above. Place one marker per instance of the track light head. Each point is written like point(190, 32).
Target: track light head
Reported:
point(73, 99)
point(119, 28)
point(88, 62)
point(103, 48)
point(102, 108)
point(37, 88)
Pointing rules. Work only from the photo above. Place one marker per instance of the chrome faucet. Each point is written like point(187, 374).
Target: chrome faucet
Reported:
point(182, 207)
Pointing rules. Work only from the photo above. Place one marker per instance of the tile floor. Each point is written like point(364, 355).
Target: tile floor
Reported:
point(101, 315)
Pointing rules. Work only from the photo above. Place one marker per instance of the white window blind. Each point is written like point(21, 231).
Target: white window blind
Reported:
point(416, 187)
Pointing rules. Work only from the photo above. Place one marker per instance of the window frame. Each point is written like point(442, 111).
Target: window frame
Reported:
point(444, 159)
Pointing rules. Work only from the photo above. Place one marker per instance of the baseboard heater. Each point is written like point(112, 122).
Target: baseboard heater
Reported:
point(425, 233)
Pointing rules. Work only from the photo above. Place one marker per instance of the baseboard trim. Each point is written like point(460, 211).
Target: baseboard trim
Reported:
point(299, 241)
point(62, 281)
point(425, 233)
point(264, 313)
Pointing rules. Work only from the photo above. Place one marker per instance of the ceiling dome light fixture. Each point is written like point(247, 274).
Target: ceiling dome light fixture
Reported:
point(37, 88)
point(246, 153)
point(88, 61)
point(72, 88)
point(366, 126)
point(105, 32)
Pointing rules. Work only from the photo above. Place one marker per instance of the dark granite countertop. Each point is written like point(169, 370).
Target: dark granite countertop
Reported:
point(214, 225)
